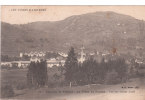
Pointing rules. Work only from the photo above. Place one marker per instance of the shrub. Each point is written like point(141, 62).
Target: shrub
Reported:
point(112, 78)
point(7, 91)
point(21, 86)
point(51, 84)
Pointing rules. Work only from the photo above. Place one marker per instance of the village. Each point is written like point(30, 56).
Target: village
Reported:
point(58, 58)
point(72, 52)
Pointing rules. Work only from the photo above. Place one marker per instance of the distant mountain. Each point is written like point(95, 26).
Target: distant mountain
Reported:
point(96, 31)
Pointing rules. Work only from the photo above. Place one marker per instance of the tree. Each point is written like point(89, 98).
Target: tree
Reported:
point(37, 74)
point(30, 74)
point(5, 58)
point(112, 77)
point(121, 69)
point(26, 57)
point(61, 69)
point(88, 68)
point(71, 66)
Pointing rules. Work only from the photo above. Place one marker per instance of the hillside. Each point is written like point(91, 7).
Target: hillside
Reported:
point(97, 31)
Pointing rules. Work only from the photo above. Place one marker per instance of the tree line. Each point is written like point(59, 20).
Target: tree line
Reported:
point(91, 72)
point(88, 72)
point(37, 74)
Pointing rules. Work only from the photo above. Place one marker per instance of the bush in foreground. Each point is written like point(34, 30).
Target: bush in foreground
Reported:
point(7, 91)
point(112, 78)
point(21, 86)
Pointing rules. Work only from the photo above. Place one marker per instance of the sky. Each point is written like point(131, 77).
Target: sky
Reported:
point(21, 15)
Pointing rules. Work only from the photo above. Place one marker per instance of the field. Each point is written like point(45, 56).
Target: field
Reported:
point(13, 77)
point(134, 87)
point(19, 76)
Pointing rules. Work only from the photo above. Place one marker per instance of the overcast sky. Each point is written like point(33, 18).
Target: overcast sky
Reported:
point(55, 13)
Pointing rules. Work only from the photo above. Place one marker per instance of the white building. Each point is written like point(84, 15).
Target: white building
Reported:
point(62, 54)
point(24, 64)
point(82, 58)
point(6, 64)
point(32, 54)
point(21, 64)
point(54, 62)
point(21, 54)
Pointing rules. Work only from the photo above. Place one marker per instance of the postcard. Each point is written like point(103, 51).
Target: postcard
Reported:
point(72, 52)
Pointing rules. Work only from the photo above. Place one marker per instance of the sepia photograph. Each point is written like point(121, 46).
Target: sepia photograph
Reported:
point(72, 52)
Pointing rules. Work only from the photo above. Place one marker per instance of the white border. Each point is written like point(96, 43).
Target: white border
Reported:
point(72, 2)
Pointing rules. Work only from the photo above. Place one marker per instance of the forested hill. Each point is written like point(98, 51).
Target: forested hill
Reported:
point(96, 31)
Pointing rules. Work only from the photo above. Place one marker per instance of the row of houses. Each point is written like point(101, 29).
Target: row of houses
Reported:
point(40, 54)
point(60, 60)
point(24, 64)
point(32, 54)
point(37, 56)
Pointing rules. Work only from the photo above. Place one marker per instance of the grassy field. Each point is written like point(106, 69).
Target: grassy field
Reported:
point(88, 92)
point(13, 77)
point(18, 76)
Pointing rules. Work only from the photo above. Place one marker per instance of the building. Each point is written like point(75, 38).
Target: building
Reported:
point(54, 62)
point(35, 59)
point(33, 54)
point(24, 64)
point(6, 64)
point(21, 64)
point(62, 54)
point(82, 55)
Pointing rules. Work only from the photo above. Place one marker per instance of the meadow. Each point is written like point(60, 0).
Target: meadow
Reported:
point(15, 77)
